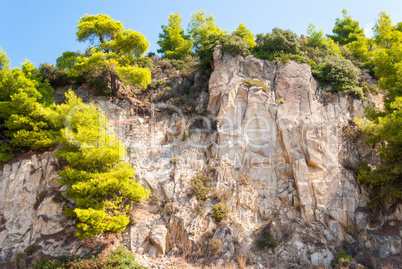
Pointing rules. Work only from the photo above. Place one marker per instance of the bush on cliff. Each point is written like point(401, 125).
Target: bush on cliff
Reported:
point(120, 258)
point(279, 41)
point(385, 178)
point(100, 183)
point(28, 118)
point(220, 212)
point(233, 45)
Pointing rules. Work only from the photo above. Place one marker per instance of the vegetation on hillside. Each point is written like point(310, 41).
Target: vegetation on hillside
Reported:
point(100, 183)
point(120, 258)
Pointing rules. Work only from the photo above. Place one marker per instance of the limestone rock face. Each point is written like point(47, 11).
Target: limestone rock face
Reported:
point(275, 153)
point(280, 155)
point(287, 139)
point(31, 210)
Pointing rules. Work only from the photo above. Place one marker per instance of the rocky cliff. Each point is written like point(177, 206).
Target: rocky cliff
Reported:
point(280, 154)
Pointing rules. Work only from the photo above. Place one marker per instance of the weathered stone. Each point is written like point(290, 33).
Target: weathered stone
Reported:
point(29, 214)
point(274, 154)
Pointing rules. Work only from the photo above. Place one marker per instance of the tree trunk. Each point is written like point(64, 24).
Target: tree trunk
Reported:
point(113, 83)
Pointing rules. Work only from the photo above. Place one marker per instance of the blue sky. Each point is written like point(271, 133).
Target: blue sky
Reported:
point(40, 31)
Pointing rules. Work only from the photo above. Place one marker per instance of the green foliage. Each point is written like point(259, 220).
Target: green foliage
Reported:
point(39, 199)
point(156, 83)
point(246, 34)
point(67, 60)
point(200, 187)
point(30, 250)
point(113, 55)
point(215, 245)
point(220, 212)
point(27, 118)
point(120, 258)
point(342, 257)
point(98, 28)
point(361, 53)
point(346, 30)
point(99, 182)
point(201, 27)
point(384, 55)
point(233, 45)
point(367, 88)
point(258, 83)
point(323, 45)
point(131, 75)
point(173, 42)
point(279, 41)
point(144, 62)
point(341, 74)
point(4, 60)
point(321, 53)
point(385, 178)
point(265, 239)
point(388, 58)
point(55, 76)
point(100, 86)
point(6, 152)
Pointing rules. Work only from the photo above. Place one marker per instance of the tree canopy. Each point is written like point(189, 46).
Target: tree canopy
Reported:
point(100, 183)
point(112, 55)
point(386, 177)
point(174, 44)
point(246, 34)
point(283, 41)
point(388, 58)
point(27, 115)
point(201, 26)
point(346, 30)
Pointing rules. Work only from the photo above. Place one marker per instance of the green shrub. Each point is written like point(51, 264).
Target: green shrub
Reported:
point(215, 245)
point(29, 119)
point(55, 76)
point(279, 41)
point(220, 212)
point(265, 239)
point(258, 83)
point(200, 187)
point(179, 64)
point(156, 83)
point(30, 250)
point(341, 74)
point(120, 258)
point(100, 86)
point(6, 153)
point(99, 182)
point(233, 45)
point(39, 199)
point(384, 178)
point(144, 62)
point(367, 88)
point(342, 257)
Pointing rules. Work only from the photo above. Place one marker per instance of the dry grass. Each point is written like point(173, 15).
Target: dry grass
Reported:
point(242, 261)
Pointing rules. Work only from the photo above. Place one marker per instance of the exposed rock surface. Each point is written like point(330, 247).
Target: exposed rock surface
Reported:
point(282, 156)
point(31, 210)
